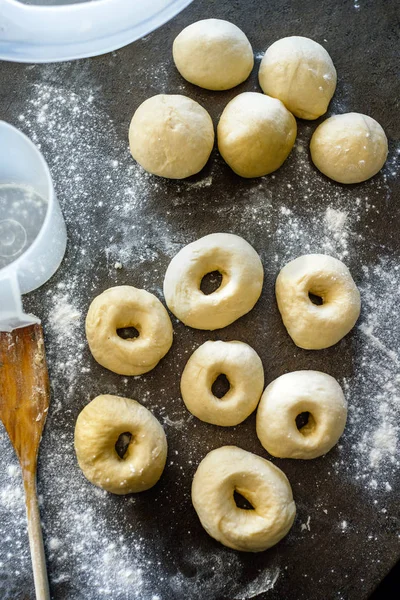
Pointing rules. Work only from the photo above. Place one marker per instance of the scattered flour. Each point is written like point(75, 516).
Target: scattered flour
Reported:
point(265, 582)
point(94, 549)
point(65, 317)
point(306, 526)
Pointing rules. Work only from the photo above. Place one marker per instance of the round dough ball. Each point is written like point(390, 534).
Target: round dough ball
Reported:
point(255, 134)
point(213, 54)
point(171, 136)
point(289, 396)
point(299, 72)
point(349, 148)
point(229, 469)
point(242, 278)
point(313, 326)
point(122, 307)
point(98, 428)
point(243, 369)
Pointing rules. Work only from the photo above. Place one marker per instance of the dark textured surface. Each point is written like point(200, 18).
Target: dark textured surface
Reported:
point(319, 564)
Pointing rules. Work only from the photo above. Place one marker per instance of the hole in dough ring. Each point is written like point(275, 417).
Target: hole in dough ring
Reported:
point(267, 489)
point(242, 279)
point(123, 307)
point(285, 399)
point(309, 325)
point(97, 430)
point(242, 367)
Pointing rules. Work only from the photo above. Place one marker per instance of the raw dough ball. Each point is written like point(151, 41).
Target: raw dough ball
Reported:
point(213, 54)
point(98, 427)
point(255, 134)
point(171, 136)
point(299, 72)
point(229, 469)
point(243, 369)
point(313, 326)
point(242, 279)
point(289, 396)
point(349, 148)
point(122, 307)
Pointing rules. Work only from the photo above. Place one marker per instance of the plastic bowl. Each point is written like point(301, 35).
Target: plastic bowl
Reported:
point(50, 33)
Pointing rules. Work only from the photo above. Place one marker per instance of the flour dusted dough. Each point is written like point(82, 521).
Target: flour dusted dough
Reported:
point(286, 398)
point(301, 73)
point(171, 136)
point(349, 148)
point(98, 427)
point(213, 54)
point(242, 279)
point(242, 367)
point(314, 326)
point(125, 306)
point(229, 469)
point(255, 134)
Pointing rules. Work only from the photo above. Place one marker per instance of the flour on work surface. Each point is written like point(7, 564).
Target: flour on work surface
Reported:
point(375, 421)
point(262, 584)
point(109, 203)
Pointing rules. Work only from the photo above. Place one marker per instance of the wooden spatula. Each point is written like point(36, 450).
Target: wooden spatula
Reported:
point(24, 402)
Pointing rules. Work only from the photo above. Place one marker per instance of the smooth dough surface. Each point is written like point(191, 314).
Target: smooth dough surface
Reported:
point(314, 326)
point(255, 134)
point(285, 399)
point(229, 469)
point(97, 430)
point(242, 367)
point(213, 54)
point(121, 307)
point(171, 136)
point(300, 73)
point(349, 148)
point(242, 279)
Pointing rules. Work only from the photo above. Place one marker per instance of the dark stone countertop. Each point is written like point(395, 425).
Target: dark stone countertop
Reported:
point(152, 546)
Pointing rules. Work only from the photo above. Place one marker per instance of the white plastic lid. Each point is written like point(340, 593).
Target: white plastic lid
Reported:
point(32, 33)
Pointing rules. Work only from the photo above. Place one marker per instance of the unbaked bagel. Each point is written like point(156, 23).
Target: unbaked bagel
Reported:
point(243, 369)
point(122, 307)
point(242, 279)
point(313, 326)
point(229, 469)
point(289, 396)
point(97, 430)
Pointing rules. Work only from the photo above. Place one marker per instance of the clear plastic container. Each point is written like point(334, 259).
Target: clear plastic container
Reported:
point(56, 30)
point(32, 230)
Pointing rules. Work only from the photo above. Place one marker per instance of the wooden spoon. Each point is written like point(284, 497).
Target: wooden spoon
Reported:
point(24, 402)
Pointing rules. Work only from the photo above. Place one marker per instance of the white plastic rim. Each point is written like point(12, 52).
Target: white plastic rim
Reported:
point(22, 163)
point(31, 33)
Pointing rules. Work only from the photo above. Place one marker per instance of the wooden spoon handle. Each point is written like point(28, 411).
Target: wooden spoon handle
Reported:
point(36, 538)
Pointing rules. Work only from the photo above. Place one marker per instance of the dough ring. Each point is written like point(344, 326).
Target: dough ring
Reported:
point(98, 428)
point(313, 326)
point(121, 307)
point(242, 367)
point(289, 396)
point(229, 469)
point(242, 279)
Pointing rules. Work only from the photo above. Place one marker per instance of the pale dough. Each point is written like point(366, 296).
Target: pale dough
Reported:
point(349, 148)
point(171, 136)
point(285, 399)
point(98, 427)
point(301, 73)
point(314, 326)
point(229, 469)
point(242, 279)
point(213, 54)
point(242, 367)
point(121, 307)
point(255, 134)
